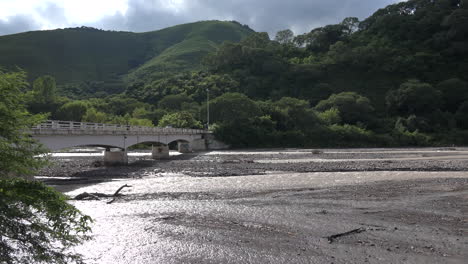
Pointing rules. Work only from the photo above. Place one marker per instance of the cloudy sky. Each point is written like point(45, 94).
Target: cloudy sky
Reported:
point(146, 15)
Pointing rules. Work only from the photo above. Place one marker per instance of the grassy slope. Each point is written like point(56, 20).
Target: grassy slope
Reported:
point(199, 39)
point(74, 55)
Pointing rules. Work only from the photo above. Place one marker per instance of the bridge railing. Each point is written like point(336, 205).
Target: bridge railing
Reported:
point(83, 127)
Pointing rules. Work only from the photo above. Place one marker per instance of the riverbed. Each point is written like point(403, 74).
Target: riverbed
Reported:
point(275, 206)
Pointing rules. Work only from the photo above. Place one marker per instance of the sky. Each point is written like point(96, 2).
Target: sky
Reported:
point(146, 15)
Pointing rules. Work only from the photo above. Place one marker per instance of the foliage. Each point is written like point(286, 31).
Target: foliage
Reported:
point(94, 116)
point(353, 108)
point(461, 115)
point(231, 108)
point(413, 97)
point(72, 111)
point(45, 89)
point(352, 136)
point(120, 105)
point(296, 114)
point(175, 102)
point(17, 148)
point(44, 98)
point(258, 131)
point(96, 59)
point(128, 120)
point(37, 225)
point(284, 36)
point(181, 120)
point(330, 116)
point(454, 93)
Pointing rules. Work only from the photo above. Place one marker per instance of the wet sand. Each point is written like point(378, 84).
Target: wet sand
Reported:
point(281, 206)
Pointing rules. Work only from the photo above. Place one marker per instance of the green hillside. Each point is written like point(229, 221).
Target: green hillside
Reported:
point(87, 55)
point(192, 42)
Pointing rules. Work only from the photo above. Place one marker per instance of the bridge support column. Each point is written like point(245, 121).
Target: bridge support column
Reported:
point(184, 147)
point(160, 152)
point(115, 158)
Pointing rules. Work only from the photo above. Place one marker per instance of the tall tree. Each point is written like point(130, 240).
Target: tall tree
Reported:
point(17, 148)
point(413, 97)
point(37, 225)
point(45, 89)
point(353, 108)
point(351, 25)
point(43, 98)
point(284, 36)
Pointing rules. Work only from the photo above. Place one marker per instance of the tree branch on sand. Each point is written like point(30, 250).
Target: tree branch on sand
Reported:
point(97, 196)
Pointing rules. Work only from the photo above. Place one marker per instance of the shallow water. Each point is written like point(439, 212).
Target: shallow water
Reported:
point(173, 218)
point(276, 217)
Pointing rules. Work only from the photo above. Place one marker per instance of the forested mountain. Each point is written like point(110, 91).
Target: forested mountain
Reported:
point(98, 61)
point(397, 78)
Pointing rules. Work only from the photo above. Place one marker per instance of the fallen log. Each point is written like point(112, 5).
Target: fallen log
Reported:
point(124, 186)
point(97, 196)
point(332, 238)
point(86, 196)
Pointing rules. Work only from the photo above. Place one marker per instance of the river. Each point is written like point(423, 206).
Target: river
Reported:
point(281, 216)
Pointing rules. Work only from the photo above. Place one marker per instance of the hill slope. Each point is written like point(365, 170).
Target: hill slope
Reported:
point(87, 54)
point(199, 39)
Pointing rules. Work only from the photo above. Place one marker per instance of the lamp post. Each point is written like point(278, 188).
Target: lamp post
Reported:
point(207, 109)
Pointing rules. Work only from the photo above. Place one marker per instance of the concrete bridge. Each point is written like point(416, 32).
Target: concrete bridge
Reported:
point(117, 138)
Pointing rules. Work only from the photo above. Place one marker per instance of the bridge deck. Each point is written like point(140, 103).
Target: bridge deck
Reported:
point(54, 127)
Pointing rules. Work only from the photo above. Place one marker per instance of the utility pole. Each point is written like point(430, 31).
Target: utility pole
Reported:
point(207, 109)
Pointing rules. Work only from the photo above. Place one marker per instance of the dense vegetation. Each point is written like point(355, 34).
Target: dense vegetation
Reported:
point(398, 78)
point(37, 225)
point(89, 62)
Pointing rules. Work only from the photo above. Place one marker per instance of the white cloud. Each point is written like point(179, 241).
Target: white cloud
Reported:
point(88, 11)
point(60, 13)
point(147, 15)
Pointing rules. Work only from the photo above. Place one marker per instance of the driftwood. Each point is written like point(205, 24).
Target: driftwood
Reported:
point(97, 196)
point(332, 238)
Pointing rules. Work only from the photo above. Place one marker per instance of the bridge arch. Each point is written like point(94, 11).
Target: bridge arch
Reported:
point(148, 144)
point(57, 135)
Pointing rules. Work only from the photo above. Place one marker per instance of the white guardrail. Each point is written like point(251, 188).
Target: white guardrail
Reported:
point(83, 128)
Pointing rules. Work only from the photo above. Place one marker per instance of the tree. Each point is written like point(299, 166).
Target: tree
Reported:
point(45, 89)
point(121, 105)
point(94, 116)
point(37, 225)
point(296, 114)
point(231, 107)
point(454, 92)
point(461, 115)
point(353, 108)
point(17, 148)
point(128, 120)
point(330, 116)
point(351, 25)
point(320, 39)
point(73, 111)
point(182, 119)
point(174, 102)
point(43, 98)
point(141, 112)
point(258, 40)
point(284, 36)
point(413, 97)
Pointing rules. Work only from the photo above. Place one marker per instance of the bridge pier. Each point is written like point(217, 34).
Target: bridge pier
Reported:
point(115, 158)
point(184, 147)
point(160, 152)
